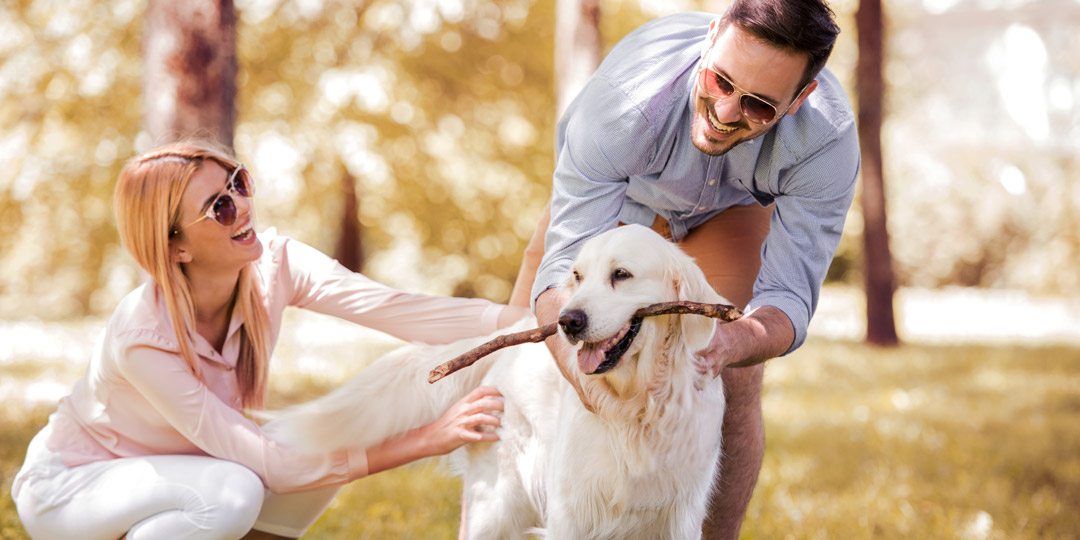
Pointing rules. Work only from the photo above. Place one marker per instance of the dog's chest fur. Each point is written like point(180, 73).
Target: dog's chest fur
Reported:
point(622, 478)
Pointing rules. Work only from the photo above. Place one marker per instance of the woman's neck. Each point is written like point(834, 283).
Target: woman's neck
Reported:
point(214, 296)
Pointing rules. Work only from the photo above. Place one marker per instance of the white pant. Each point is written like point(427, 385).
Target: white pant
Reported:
point(176, 497)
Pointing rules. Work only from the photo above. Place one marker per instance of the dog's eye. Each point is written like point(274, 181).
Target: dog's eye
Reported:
point(577, 277)
point(620, 274)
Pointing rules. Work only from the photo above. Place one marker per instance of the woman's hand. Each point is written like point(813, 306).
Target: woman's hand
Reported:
point(472, 419)
point(510, 315)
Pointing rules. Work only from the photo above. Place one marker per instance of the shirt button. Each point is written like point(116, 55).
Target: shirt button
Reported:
point(712, 181)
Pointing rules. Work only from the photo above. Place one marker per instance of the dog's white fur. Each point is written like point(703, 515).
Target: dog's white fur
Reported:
point(641, 466)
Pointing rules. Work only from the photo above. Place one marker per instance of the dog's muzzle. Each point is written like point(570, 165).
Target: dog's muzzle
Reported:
point(615, 353)
point(599, 356)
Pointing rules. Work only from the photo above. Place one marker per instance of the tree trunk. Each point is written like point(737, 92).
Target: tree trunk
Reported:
point(349, 251)
point(189, 85)
point(880, 283)
point(577, 47)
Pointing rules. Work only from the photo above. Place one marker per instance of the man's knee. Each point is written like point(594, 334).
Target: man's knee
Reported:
point(728, 250)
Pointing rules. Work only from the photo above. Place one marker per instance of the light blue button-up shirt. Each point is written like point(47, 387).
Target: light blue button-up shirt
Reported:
point(624, 154)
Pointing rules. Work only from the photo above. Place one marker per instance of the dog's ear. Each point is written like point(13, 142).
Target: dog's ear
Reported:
point(690, 284)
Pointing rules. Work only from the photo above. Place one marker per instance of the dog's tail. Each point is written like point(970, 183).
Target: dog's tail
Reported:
point(390, 396)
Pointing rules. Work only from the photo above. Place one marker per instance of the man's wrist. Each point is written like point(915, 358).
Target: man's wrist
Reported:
point(760, 335)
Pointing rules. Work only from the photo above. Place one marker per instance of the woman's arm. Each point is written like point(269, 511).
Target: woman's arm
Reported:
point(321, 284)
point(512, 314)
point(472, 419)
point(218, 429)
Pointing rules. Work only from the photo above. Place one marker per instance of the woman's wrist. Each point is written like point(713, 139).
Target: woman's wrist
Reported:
point(424, 439)
point(511, 315)
point(400, 449)
point(472, 419)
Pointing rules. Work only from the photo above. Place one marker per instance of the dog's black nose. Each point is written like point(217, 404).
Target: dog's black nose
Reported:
point(573, 321)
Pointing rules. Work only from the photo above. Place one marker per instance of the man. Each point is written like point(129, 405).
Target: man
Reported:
point(727, 136)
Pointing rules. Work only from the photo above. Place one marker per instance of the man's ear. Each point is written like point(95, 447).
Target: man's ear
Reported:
point(802, 97)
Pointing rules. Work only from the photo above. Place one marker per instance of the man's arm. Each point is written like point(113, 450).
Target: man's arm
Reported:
point(812, 198)
point(763, 334)
point(603, 139)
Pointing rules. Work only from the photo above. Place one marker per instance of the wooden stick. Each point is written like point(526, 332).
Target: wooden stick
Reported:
point(723, 312)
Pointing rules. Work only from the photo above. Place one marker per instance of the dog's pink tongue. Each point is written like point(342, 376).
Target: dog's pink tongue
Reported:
point(589, 357)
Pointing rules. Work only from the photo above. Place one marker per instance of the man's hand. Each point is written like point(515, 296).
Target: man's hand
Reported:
point(548, 306)
point(760, 335)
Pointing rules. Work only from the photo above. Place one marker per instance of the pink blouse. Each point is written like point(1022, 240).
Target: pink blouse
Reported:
point(138, 397)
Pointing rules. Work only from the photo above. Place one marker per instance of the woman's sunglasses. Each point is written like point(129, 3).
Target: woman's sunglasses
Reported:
point(223, 209)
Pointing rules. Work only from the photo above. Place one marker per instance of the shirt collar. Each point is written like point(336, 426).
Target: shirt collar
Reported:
point(230, 352)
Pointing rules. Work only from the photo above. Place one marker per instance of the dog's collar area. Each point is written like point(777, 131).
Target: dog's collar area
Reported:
point(612, 357)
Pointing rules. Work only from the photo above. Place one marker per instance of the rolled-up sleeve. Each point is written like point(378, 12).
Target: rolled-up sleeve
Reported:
point(218, 429)
point(321, 284)
point(805, 231)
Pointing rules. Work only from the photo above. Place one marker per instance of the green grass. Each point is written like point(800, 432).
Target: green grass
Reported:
point(921, 442)
point(917, 442)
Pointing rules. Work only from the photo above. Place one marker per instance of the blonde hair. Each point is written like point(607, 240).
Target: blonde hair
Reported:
point(147, 206)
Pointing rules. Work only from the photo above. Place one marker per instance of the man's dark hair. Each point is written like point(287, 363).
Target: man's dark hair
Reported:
point(805, 26)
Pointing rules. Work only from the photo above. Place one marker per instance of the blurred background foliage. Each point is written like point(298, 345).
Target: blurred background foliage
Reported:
point(443, 111)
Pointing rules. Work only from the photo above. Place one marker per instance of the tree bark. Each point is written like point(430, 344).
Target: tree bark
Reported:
point(349, 251)
point(723, 312)
point(189, 85)
point(870, 84)
point(577, 47)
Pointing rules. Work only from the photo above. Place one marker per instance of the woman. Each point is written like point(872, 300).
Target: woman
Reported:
point(152, 441)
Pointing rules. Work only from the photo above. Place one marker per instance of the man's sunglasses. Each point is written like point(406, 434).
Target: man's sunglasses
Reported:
point(720, 88)
point(223, 209)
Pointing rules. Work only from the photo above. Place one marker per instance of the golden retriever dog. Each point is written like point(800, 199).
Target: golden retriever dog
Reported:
point(633, 455)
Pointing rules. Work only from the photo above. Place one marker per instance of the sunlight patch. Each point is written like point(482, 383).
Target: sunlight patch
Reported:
point(979, 527)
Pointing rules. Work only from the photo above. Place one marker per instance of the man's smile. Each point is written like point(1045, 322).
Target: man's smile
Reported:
point(715, 123)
